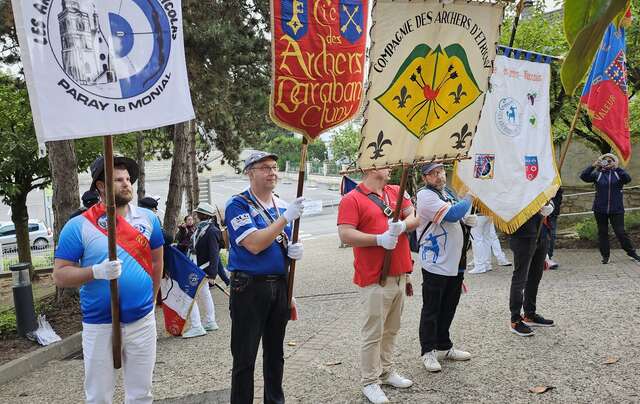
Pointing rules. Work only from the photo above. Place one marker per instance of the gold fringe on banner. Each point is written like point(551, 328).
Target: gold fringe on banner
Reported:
point(519, 219)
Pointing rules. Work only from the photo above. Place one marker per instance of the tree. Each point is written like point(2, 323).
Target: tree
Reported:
point(21, 168)
point(177, 178)
point(544, 33)
point(228, 55)
point(344, 144)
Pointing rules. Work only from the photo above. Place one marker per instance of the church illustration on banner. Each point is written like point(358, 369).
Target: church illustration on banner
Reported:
point(86, 53)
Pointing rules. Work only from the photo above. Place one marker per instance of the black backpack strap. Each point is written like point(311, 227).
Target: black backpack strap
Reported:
point(386, 210)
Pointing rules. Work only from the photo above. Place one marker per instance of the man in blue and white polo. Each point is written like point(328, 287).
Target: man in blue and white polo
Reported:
point(259, 225)
point(81, 260)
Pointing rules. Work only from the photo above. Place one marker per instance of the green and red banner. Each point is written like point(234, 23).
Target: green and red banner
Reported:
point(318, 63)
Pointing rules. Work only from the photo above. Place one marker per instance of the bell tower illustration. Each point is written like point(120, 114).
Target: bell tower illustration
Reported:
point(86, 53)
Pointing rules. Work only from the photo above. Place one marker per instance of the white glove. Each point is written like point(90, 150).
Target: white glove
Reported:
point(470, 220)
point(397, 228)
point(546, 210)
point(295, 251)
point(108, 270)
point(294, 210)
point(386, 240)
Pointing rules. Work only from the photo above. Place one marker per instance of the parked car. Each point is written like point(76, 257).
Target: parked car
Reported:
point(40, 236)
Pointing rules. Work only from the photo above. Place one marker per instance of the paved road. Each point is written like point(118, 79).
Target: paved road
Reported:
point(595, 307)
point(223, 189)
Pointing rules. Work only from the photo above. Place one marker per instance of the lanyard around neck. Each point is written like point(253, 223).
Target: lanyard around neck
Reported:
point(264, 210)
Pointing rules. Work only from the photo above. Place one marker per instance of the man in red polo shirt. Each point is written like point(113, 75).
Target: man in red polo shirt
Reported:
point(364, 223)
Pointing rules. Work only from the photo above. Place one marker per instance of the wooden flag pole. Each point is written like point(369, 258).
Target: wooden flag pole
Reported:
point(396, 215)
point(516, 21)
point(113, 254)
point(564, 154)
point(296, 223)
point(569, 136)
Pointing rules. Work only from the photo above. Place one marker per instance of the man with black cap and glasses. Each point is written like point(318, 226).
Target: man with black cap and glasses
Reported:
point(443, 237)
point(81, 260)
point(259, 225)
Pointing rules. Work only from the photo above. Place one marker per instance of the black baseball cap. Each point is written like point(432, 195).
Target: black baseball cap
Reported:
point(90, 198)
point(148, 202)
point(97, 169)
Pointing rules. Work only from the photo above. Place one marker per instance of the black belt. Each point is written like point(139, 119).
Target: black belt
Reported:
point(262, 278)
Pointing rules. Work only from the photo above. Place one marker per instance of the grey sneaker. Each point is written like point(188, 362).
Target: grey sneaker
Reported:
point(430, 362)
point(374, 393)
point(454, 355)
point(194, 332)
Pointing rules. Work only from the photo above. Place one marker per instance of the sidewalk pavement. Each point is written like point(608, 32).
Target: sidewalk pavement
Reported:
point(595, 307)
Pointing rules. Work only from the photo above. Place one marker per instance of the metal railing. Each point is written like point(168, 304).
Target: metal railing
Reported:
point(40, 258)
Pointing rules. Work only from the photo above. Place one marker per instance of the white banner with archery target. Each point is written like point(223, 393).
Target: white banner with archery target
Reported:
point(103, 67)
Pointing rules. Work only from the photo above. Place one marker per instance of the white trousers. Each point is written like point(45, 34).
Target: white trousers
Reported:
point(204, 301)
point(138, 360)
point(484, 242)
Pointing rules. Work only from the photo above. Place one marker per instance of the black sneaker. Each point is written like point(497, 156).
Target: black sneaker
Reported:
point(537, 320)
point(605, 260)
point(521, 329)
point(635, 257)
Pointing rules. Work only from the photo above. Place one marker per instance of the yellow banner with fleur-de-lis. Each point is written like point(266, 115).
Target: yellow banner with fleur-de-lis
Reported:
point(429, 70)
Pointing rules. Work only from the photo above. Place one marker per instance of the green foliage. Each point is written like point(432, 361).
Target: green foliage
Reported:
point(344, 144)
point(544, 32)
point(588, 229)
point(585, 22)
point(228, 53)
point(21, 170)
point(287, 148)
point(7, 323)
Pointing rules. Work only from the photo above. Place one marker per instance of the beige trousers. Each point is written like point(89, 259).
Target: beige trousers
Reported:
point(381, 311)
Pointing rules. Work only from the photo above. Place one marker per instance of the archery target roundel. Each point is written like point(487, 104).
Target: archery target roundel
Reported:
point(110, 48)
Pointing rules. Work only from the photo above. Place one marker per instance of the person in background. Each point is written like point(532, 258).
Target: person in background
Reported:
point(206, 246)
point(89, 198)
point(529, 245)
point(608, 205)
point(484, 242)
point(185, 234)
point(551, 230)
point(151, 203)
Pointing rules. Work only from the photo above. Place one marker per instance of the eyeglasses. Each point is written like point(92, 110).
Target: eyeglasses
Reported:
point(266, 169)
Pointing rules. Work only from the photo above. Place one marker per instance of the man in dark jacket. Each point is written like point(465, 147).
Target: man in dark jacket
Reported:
point(89, 198)
point(529, 246)
point(608, 205)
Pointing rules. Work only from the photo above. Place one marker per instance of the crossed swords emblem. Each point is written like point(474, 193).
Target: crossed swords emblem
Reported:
point(351, 20)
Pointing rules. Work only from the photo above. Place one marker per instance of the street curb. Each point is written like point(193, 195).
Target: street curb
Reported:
point(34, 360)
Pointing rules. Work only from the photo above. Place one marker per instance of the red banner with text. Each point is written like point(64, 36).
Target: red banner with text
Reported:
point(318, 63)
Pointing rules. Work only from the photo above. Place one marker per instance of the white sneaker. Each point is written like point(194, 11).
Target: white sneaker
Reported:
point(395, 380)
point(477, 270)
point(194, 332)
point(374, 393)
point(431, 362)
point(505, 264)
point(211, 326)
point(454, 355)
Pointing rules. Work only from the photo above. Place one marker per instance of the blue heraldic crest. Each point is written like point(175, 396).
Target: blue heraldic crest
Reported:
point(295, 18)
point(351, 20)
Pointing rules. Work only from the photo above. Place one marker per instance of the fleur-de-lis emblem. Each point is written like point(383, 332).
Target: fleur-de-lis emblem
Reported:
point(378, 146)
point(403, 97)
point(458, 94)
point(461, 137)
